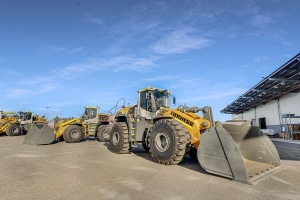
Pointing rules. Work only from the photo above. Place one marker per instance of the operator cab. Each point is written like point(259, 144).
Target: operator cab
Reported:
point(90, 114)
point(151, 99)
point(25, 117)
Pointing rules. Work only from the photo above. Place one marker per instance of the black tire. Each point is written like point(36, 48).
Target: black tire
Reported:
point(169, 141)
point(146, 140)
point(73, 134)
point(102, 134)
point(13, 130)
point(119, 142)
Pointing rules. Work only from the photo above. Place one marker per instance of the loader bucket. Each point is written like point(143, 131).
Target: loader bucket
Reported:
point(39, 134)
point(238, 151)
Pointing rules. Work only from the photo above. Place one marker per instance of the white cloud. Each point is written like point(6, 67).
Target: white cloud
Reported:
point(72, 71)
point(261, 20)
point(53, 80)
point(142, 27)
point(95, 20)
point(261, 59)
point(34, 86)
point(116, 64)
point(2, 60)
point(16, 93)
point(62, 49)
point(134, 31)
point(217, 94)
point(121, 63)
point(141, 64)
point(36, 90)
point(179, 41)
point(160, 78)
point(192, 83)
point(10, 72)
point(35, 81)
point(78, 69)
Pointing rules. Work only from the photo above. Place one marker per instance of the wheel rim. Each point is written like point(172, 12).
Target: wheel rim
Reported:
point(116, 138)
point(74, 134)
point(105, 135)
point(15, 130)
point(162, 142)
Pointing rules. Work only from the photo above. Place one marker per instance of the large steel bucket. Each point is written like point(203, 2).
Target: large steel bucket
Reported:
point(238, 151)
point(39, 134)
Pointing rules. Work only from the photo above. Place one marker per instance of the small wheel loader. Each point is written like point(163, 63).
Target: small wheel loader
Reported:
point(234, 149)
point(91, 124)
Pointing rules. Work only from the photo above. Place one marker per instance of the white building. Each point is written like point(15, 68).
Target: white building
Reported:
point(273, 103)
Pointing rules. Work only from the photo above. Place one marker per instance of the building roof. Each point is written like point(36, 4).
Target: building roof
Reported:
point(284, 80)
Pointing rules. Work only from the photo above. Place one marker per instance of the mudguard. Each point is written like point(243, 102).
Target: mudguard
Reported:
point(39, 134)
point(238, 151)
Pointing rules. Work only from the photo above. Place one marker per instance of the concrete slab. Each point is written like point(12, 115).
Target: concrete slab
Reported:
point(88, 170)
point(286, 140)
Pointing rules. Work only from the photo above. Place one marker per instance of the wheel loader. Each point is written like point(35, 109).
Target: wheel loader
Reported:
point(234, 149)
point(73, 130)
point(17, 123)
point(6, 118)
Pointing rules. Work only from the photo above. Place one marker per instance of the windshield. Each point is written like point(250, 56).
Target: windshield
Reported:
point(161, 98)
point(24, 115)
point(152, 100)
point(20, 115)
point(90, 113)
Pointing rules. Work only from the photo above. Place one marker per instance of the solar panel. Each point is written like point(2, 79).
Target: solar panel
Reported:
point(284, 80)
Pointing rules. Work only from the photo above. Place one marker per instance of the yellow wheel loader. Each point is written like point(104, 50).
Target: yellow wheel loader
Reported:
point(234, 149)
point(17, 123)
point(91, 124)
point(7, 118)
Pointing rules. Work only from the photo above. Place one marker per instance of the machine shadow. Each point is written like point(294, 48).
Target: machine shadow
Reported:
point(188, 163)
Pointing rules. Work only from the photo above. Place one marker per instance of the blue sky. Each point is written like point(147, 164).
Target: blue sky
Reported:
point(69, 54)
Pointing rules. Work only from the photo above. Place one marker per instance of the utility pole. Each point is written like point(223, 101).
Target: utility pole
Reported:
point(47, 107)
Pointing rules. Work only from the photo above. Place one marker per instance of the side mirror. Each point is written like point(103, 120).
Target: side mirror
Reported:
point(174, 100)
